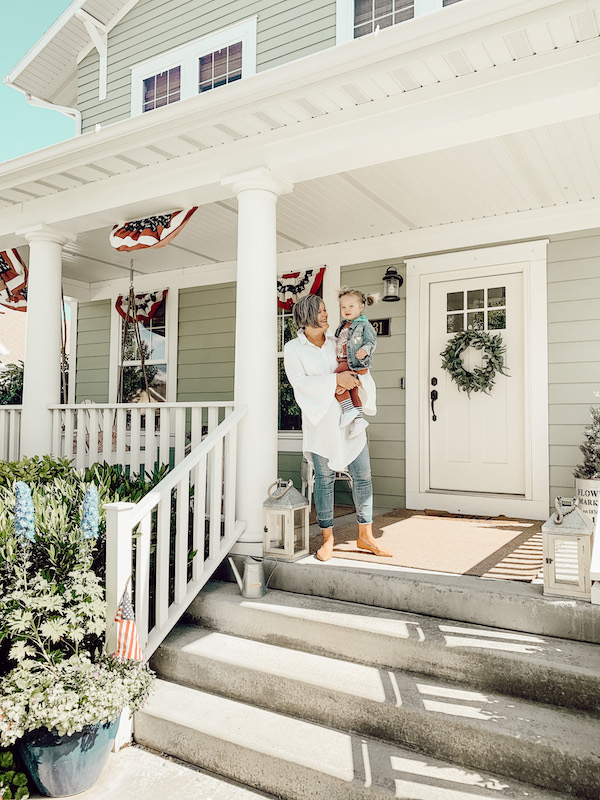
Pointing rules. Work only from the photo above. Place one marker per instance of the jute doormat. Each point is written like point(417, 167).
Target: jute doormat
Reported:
point(483, 547)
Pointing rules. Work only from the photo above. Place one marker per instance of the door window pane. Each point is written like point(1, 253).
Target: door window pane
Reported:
point(496, 297)
point(476, 299)
point(455, 301)
point(475, 320)
point(497, 319)
point(454, 323)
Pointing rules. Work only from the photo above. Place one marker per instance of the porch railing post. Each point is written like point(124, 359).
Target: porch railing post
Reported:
point(118, 573)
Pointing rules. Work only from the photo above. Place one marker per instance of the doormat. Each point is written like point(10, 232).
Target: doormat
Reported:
point(508, 549)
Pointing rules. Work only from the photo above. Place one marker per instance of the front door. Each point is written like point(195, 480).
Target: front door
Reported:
point(477, 442)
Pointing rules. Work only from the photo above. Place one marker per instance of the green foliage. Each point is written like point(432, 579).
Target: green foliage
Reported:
point(121, 486)
point(13, 781)
point(70, 695)
point(35, 470)
point(11, 385)
point(482, 378)
point(590, 468)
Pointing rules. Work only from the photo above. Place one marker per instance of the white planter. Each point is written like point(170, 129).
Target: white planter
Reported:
point(588, 492)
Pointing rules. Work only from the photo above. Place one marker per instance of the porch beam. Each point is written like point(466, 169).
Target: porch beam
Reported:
point(256, 343)
point(41, 379)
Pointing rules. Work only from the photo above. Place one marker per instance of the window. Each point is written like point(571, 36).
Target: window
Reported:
point(201, 65)
point(372, 14)
point(153, 336)
point(290, 418)
point(162, 89)
point(356, 18)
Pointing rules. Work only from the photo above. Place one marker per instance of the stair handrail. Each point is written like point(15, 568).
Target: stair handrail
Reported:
point(212, 463)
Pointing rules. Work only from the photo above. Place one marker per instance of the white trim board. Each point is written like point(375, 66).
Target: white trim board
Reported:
point(530, 259)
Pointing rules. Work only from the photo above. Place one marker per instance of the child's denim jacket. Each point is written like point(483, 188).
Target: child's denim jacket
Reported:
point(361, 335)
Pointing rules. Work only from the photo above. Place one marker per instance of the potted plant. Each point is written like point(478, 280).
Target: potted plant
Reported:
point(61, 701)
point(587, 474)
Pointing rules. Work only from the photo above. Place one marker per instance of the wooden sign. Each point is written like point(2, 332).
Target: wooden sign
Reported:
point(382, 326)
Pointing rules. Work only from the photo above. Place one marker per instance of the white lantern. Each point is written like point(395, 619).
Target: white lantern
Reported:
point(285, 522)
point(567, 551)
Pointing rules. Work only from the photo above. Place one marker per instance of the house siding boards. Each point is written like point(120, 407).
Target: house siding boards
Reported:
point(206, 343)
point(93, 351)
point(386, 431)
point(286, 31)
point(573, 348)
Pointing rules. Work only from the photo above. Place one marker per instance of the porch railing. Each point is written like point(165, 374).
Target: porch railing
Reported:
point(10, 433)
point(169, 544)
point(133, 434)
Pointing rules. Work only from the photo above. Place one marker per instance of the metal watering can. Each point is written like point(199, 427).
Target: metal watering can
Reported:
point(252, 584)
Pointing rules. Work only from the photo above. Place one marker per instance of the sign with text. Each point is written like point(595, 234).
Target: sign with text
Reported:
point(382, 326)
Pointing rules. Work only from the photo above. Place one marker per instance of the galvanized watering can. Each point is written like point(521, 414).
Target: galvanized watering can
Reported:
point(252, 583)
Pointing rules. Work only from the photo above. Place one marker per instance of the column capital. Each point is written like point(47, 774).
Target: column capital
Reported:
point(258, 178)
point(47, 233)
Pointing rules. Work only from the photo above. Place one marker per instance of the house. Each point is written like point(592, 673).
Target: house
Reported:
point(457, 143)
point(455, 140)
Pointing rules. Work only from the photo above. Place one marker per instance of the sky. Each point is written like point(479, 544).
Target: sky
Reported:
point(24, 128)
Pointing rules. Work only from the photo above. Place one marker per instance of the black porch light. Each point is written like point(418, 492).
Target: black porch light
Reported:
point(391, 285)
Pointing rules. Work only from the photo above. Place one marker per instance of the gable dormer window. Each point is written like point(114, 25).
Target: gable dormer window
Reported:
point(197, 67)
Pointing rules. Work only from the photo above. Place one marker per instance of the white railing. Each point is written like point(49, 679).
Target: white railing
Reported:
point(132, 434)
point(595, 563)
point(10, 433)
point(173, 539)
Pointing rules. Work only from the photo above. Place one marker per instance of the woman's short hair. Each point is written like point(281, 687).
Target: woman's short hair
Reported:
point(306, 311)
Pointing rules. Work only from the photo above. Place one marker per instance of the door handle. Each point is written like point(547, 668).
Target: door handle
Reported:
point(434, 397)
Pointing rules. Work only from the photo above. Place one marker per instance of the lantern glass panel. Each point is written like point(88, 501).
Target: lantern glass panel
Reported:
point(299, 532)
point(566, 561)
point(276, 526)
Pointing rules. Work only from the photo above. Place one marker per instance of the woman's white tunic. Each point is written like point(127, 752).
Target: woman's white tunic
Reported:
point(310, 370)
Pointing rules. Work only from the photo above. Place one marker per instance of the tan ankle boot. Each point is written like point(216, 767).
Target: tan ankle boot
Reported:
point(366, 541)
point(324, 552)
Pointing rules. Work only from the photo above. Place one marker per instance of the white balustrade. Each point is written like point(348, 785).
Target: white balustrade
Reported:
point(10, 433)
point(190, 518)
point(132, 434)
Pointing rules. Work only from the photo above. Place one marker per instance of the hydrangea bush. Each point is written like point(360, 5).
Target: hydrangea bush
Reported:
point(71, 695)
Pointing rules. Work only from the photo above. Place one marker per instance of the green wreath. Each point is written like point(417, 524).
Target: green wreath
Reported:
point(482, 378)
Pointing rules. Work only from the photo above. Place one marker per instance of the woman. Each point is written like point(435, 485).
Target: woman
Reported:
point(310, 362)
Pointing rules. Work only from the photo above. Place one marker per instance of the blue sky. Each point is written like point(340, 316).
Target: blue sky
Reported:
point(22, 127)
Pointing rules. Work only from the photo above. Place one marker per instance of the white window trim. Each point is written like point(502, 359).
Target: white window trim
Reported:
point(530, 259)
point(171, 325)
point(187, 58)
point(344, 15)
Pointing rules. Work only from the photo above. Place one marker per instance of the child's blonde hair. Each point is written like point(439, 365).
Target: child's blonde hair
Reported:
point(367, 299)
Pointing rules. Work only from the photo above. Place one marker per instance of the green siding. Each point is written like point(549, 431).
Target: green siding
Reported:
point(573, 350)
point(93, 351)
point(286, 30)
point(385, 433)
point(206, 343)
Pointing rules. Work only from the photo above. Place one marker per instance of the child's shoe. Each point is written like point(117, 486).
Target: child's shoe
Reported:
point(349, 416)
point(357, 426)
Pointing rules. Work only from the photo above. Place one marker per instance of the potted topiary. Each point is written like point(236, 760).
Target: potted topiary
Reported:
point(60, 704)
point(587, 474)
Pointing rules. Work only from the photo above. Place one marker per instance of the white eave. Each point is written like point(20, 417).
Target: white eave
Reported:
point(49, 70)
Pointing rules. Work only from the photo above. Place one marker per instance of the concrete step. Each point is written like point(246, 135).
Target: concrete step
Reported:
point(540, 668)
point(299, 760)
point(496, 603)
point(550, 747)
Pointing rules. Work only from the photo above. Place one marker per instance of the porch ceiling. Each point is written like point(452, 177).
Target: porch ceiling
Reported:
point(555, 165)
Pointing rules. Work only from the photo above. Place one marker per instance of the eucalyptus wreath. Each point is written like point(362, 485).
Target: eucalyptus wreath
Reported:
point(482, 378)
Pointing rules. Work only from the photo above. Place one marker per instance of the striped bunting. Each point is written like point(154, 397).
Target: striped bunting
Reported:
point(128, 642)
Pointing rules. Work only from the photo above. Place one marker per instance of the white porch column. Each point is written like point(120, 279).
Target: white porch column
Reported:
point(41, 380)
point(256, 343)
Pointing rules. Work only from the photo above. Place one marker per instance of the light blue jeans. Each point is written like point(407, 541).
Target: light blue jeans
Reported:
point(362, 488)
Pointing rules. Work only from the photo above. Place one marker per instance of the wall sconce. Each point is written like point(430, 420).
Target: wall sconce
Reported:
point(391, 285)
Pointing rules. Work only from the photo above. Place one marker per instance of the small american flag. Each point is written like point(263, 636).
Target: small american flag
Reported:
point(128, 642)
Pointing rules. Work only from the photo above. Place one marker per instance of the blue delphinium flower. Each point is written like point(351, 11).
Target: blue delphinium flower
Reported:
point(90, 517)
point(24, 522)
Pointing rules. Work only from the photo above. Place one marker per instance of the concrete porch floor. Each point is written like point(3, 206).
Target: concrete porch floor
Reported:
point(135, 772)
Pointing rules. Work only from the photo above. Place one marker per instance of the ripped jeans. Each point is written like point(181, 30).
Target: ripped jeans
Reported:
point(362, 488)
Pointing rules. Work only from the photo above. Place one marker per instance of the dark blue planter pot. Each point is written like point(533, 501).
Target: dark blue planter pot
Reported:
point(64, 765)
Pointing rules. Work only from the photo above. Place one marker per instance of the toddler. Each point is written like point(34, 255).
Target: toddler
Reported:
point(355, 342)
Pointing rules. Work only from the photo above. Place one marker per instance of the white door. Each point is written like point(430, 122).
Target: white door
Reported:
point(477, 441)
